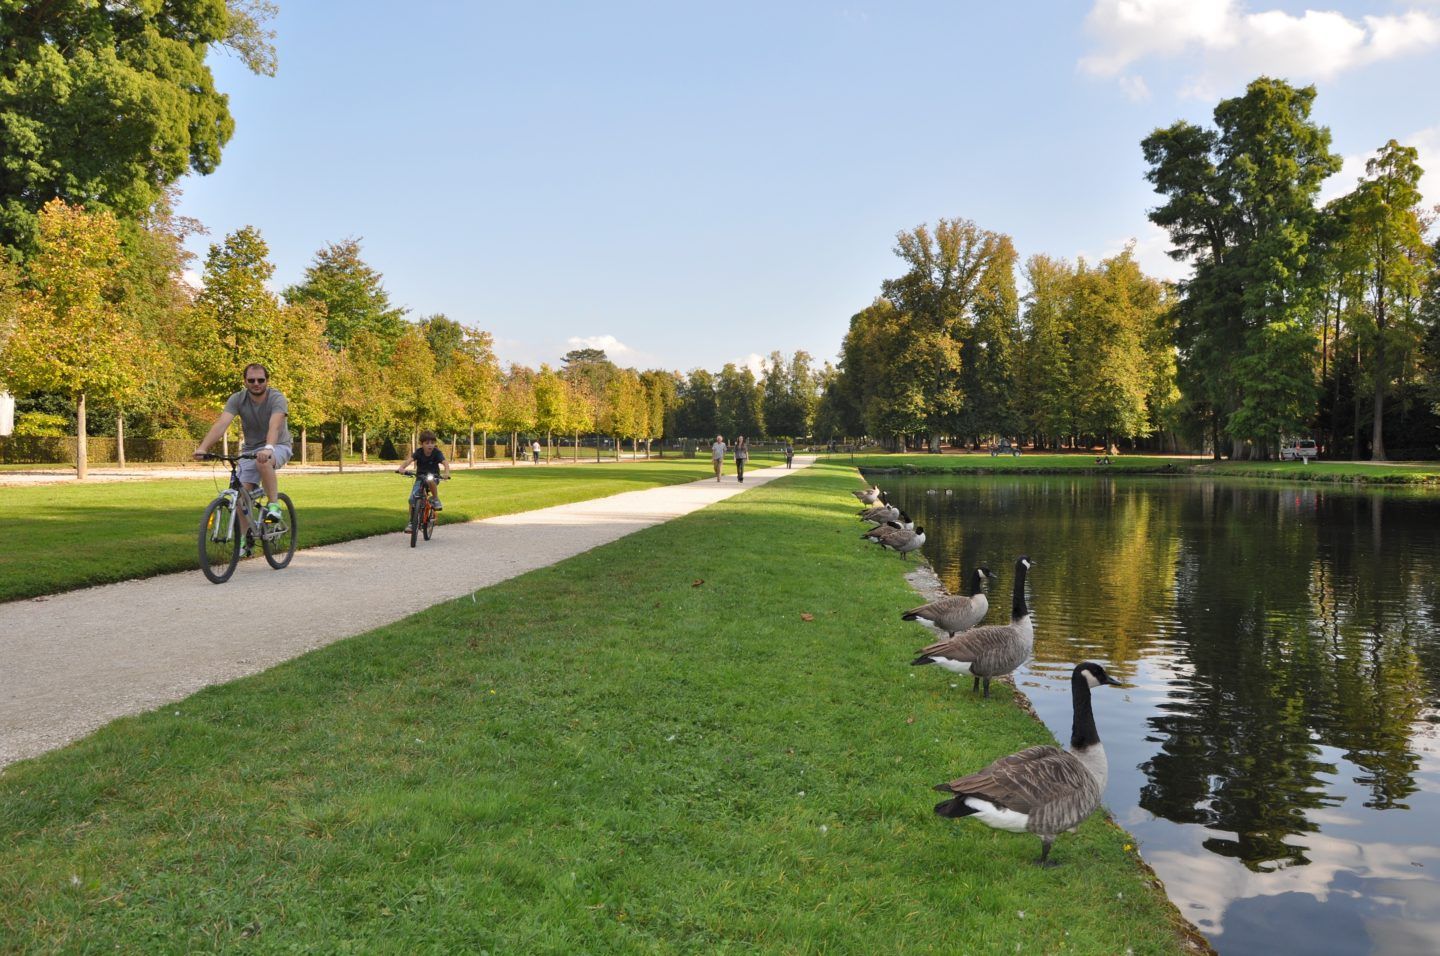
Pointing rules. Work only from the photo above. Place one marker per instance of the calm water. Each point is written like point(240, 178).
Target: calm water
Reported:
point(1278, 756)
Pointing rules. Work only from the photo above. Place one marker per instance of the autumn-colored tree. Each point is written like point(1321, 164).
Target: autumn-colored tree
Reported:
point(473, 376)
point(306, 371)
point(361, 395)
point(550, 398)
point(515, 411)
point(70, 336)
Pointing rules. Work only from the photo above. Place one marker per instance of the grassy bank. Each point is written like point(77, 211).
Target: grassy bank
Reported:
point(59, 537)
point(704, 737)
point(1334, 471)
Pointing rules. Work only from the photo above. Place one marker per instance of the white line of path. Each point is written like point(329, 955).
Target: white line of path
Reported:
point(73, 662)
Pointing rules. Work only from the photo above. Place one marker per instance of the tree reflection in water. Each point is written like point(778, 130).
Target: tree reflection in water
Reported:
point(1300, 625)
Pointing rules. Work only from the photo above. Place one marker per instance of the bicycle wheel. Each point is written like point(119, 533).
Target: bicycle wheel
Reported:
point(279, 542)
point(414, 521)
point(429, 528)
point(219, 541)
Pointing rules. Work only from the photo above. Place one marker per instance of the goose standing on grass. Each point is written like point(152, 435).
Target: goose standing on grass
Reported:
point(959, 612)
point(1042, 790)
point(991, 651)
point(869, 495)
point(903, 542)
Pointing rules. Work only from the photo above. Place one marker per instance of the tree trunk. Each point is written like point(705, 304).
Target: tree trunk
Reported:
point(577, 448)
point(472, 446)
point(1377, 428)
point(304, 449)
point(1355, 406)
point(340, 449)
point(514, 447)
point(484, 444)
point(365, 446)
point(120, 438)
point(81, 465)
point(1215, 434)
point(549, 448)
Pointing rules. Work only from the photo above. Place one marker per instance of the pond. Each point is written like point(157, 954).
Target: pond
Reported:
point(1278, 757)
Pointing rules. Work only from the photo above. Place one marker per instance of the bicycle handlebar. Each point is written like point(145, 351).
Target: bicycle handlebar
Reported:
point(411, 474)
point(211, 456)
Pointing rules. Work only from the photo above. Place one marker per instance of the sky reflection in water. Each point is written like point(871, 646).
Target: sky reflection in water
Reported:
point(1278, 756)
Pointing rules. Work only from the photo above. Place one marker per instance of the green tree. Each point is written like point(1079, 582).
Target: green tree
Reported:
point(515, 411)
point(698, 413)
point(1047, 367)
point(474, 376)
point(69, 336)
point(361, 395)
point(413, 383)
point(1383, 242)
point(990, 347)
point(352, 295)
point(790, 396)
point(738, 402)
point(662, 391)
point(1240, 205)
point(305, 371)
point(236, 318)
point(550, 399)
point(446, 338)
point(108, 104)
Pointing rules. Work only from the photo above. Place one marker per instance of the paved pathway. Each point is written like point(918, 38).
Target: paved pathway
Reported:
point(73, 662)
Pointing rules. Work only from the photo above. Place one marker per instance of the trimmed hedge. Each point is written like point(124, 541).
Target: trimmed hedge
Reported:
point(99, 450)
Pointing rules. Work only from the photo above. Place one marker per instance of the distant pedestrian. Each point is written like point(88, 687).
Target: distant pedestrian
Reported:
point(789, 454)
point(717, 455)
point(535, 451)
point(742, 455)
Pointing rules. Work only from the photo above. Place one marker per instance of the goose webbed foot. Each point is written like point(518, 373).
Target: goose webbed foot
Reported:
point(1045, 861)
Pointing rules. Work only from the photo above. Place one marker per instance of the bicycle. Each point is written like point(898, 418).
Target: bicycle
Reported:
point(422, 508)
point(221, 538)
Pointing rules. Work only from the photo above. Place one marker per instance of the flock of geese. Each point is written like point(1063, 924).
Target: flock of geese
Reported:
point(1041, 790)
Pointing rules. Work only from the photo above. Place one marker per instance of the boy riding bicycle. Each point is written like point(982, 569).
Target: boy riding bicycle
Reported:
point(428, 460)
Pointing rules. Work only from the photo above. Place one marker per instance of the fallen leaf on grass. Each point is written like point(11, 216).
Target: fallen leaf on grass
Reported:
point(807, 617)
point(698, 582)
point(909, 720)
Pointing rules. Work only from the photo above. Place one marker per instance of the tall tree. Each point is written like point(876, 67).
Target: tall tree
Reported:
point(988, 365)
point(305, 372)
point(698, 414)
point(1383, 242)
point(474, 376)
point(236, 316)
point(515, 411)
point(662, 389)
point(738, 402)
point(1240, 205)
point(352, 295)
point(550, 411)
point(951, 270)
point(108, 104)
point(70, 336)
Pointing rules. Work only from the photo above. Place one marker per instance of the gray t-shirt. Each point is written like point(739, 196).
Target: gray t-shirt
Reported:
point(717, 451)
point(255, 418)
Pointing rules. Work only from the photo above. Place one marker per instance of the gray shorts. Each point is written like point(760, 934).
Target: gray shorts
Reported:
point(250, 472)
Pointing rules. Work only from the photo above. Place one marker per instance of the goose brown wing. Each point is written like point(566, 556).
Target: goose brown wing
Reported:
point(956, 604)
point(1025, 781)
point(972, 644)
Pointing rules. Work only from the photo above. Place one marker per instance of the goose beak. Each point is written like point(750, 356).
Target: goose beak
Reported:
point(1115, 683)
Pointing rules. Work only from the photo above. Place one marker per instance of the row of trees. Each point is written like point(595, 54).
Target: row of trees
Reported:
point(1298, 319)
point(97, 315)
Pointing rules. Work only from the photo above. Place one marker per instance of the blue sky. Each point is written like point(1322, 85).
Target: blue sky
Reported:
point(688, 185)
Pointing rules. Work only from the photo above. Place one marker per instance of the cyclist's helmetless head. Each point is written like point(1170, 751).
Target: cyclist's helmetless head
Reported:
point(257, 378)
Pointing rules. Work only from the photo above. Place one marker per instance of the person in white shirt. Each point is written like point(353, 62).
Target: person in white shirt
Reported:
point(717, 455)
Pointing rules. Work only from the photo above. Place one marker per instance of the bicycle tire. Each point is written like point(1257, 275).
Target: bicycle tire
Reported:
point(414, 522)
point(429, 521)
point(280, 548)
point(218, 556)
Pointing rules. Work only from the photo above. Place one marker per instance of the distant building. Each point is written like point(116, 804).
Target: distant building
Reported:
point(7, 414)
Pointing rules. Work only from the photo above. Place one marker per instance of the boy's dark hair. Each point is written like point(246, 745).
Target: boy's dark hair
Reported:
point(428, 435)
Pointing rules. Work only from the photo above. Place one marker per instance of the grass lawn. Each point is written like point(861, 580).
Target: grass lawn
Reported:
point(59, 537)
point(1358, 471)
point(646, 748)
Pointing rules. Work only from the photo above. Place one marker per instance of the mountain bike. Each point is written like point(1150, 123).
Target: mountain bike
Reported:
point(222, 538)
point(422, 508)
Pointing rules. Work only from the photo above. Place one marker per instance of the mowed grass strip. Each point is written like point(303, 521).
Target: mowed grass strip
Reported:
point(59, 537)
point(703, 738)
point(982, 463)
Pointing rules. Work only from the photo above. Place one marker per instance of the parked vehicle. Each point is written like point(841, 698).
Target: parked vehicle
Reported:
point(1297, 449)
point(1003, 447)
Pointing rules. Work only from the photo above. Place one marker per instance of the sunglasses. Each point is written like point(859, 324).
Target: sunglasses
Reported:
point(256, 381)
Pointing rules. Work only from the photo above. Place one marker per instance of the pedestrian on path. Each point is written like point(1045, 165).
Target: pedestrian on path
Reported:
point(535, 451)
point(742, 455)
point(717, 455)
point(789, 454)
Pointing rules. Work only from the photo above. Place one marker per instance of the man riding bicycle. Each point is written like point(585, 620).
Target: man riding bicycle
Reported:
point(262, 412)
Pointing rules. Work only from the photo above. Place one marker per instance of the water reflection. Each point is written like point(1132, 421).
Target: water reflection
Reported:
point(1284, 643)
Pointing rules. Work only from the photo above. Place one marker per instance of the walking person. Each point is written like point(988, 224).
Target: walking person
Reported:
point(789, 454)
point(717, 455)
point(742, 455)
point(535, 451)
point(262, 411)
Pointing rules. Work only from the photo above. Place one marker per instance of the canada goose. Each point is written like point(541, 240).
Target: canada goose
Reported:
point(991, 651)
point(880, 532)
point(959, 612)
point(880, 515)
point(1040, 790)
point(868, 495)
point(903, 542)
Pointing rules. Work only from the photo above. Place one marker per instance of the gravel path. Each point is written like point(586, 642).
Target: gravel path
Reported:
point(73, 662)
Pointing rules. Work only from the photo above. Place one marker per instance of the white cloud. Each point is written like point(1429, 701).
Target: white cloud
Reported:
point(609, 343)
point(1233, 44)
point(1135, 87)
point(193, 279)
point(1151, 245)
point(755, 362)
